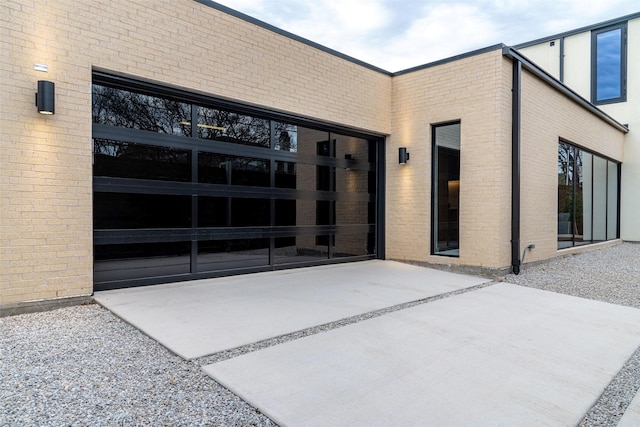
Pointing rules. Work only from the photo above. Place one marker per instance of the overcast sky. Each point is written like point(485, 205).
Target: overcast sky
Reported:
point(399, 34)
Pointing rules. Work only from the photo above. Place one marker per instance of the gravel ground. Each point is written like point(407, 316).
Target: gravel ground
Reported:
point(611, 275)
point(83, 366)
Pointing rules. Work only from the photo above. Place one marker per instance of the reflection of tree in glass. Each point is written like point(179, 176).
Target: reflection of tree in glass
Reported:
point(570, 194)
point(284, 141)
point(287, 137)
point(249, 172)
point(122, 108)
point(117, 107)
point(212, 160)
point(131, 160)
point(213, 169)
point(569, 162)
point(232, 127)
point(111, 148)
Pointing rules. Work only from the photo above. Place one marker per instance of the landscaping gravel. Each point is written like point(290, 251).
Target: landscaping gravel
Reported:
point(84, 366)
point(610, 275)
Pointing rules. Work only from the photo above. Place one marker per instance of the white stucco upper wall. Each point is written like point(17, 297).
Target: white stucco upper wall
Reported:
point(546, 55)
point(629, 112)
point(577, 67)
point(577, 75)
point(577, 63)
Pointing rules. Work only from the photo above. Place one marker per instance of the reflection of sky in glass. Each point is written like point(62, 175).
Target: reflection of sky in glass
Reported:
point(609, 48)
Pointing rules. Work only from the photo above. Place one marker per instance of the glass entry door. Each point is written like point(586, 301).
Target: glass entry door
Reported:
point(446, 190)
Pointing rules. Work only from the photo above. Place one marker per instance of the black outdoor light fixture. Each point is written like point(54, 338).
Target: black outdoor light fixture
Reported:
point(45, 97)
point(349, 159)
point(403, 155)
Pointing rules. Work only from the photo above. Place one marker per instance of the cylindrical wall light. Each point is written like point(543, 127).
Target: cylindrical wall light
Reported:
point(45, 97)
point(403, 155)
point(349, 159)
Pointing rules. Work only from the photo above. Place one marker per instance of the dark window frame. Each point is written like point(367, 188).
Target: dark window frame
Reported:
point(623, 64)
point(434, 181)
point(579, 148)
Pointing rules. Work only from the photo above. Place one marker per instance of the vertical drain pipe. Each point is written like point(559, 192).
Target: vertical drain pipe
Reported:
point(515, 165)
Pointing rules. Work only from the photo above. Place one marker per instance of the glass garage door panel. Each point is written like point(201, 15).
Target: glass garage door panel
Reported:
point(134, 110)
point(356, 244)
point(301, 249)
point(137, 211)
point(233, 212)
point(123, 262)
point(186, 189)
point(233, 170)
point(123, 159)
point(227, 126)
point(232, 254)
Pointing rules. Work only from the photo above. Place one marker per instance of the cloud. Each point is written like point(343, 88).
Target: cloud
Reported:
point(378, 31)
point(343, 25)
point(354, 16)
point(348, 16)
point(336, 23)
point(441, 31)
point(395, 34)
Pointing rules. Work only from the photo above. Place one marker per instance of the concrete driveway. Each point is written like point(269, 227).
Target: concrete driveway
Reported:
point(468, 353)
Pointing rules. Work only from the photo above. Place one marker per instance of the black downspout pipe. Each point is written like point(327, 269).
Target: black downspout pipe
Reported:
point(561, 59)
point(515, 165)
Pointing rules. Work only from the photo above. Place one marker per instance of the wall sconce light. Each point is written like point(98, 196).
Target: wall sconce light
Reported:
point(403, 155)
point(349, 159)
point(45, 97)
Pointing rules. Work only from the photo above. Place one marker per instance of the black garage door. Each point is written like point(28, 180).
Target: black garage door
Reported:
point(189, 187)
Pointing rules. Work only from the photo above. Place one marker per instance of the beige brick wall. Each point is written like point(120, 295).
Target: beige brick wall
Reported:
point(548, 116)
point(46, 179)
point(477, 91)
point(474, 91)
point(45, 161)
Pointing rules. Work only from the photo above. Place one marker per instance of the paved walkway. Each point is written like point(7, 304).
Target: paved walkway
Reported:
point(631, 417)
point(198, 318)
point(495, 355)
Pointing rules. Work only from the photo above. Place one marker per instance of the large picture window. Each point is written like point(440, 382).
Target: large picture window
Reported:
point(588, 201)
point(609, 64)
point(446, 190)
point(188, 188)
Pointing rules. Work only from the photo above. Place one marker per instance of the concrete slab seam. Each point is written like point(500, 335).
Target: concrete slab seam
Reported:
point(249, 348)
point(617, 395)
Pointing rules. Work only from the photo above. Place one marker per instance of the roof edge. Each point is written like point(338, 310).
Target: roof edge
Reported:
point(513, 54)
point(450, 59)
point(280, 31)
point(592, 27)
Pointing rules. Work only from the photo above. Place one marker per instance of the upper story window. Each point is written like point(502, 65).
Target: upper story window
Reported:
point(609, 64)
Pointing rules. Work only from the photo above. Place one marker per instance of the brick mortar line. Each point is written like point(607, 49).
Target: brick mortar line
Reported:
point(273, 341)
